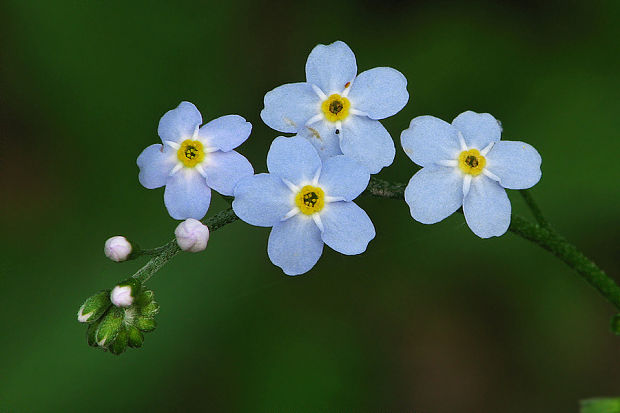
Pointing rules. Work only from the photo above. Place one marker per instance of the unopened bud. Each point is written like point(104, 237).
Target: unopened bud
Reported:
point(135, 337)
point(120, 342)
point(192, 235)
point(124, 294)
point(94, 307)
point(109, 327)
point(117, 248)
point(146, 324)
point(91, 333)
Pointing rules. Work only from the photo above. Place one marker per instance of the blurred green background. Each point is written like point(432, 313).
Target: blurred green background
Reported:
point(429, 319)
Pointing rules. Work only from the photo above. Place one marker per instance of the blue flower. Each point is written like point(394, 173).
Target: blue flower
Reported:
point(336, 110)
point(308, 202)
point(194, 159)
point(465, 163)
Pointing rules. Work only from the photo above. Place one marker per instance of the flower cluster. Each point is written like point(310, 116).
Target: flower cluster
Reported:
point(118, 318)
point(314, 176)
point(307, 196)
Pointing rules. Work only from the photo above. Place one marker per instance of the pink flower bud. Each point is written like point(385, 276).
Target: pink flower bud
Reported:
point(192, 235)
point(117, 248)
point(121, 296)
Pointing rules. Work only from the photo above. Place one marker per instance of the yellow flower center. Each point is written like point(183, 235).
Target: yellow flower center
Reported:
point(310, 199)
point(191, 153)
point(471, 162)
point(336, 107)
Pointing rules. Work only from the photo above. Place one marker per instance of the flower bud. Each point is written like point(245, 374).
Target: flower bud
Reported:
point(120, 342)
point(91, 332)
point(109, 327)
point(146, 324)
point(135, 337)
point(117, 248)
point(94, 307)
point(124, 294)
point(192, 235)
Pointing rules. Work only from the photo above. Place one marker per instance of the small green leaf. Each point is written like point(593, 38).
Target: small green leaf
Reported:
point(135, 337)
point(145, 298)
point(94, 307)
point(600, 405)
point(146, 324)
point(91, 331)
point(120, 342)
point(150, 310)
point(109, 326)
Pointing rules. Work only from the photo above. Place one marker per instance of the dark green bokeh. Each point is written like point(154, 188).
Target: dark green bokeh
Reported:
point(429, 319)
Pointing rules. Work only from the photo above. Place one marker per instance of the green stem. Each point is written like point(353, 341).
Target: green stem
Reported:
point(167, 251)
point(540, 234)
point(529, 200)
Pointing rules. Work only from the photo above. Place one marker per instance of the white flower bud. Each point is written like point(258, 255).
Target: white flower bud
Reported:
point(192, 235)
point(117, 248)
point(121, 296)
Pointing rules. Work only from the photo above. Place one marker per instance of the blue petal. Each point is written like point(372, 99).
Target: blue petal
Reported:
point(322, 135)
point(331, 67)
point(347, 228)
point(262, 200)
point(379, 92)
point(434, 193)
point(429, 139)
point(180, 123)
point(226, 132)
point(517, 164)
point(187, 195)
point(487, 208)
point(155, 163)
point(368, 142)
point(293, 159)
point(343, 177)
point(295, 245)
point(289, 107)
point(223, 170)
point(478, 129)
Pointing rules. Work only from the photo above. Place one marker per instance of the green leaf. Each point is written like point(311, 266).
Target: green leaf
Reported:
point(135, 337)
point(110, 326)
point(600, 405)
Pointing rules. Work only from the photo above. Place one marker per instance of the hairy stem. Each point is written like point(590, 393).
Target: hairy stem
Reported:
point(538, 216)
point(540, 234)
point(167, 251)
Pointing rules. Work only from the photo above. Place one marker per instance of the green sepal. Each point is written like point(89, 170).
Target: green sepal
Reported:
point(135, 337)
point(150, 310)
point(109, 327)
point(91, 332)
point(136, 286)
point(145, 298)
point(120, 342)
point(94, 307)
point(146, 324)
point(615, 324)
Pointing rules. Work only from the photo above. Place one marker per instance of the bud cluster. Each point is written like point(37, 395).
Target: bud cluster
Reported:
point(118, 318)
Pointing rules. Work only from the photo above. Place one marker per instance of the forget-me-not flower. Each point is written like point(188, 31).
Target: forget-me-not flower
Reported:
point(338, 111)
point(308, 202)
point(465, 163)
point(194, 159)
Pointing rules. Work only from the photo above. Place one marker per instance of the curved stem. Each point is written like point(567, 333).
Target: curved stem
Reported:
point(540, 234)
point(167, 251)
point(534, 208)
